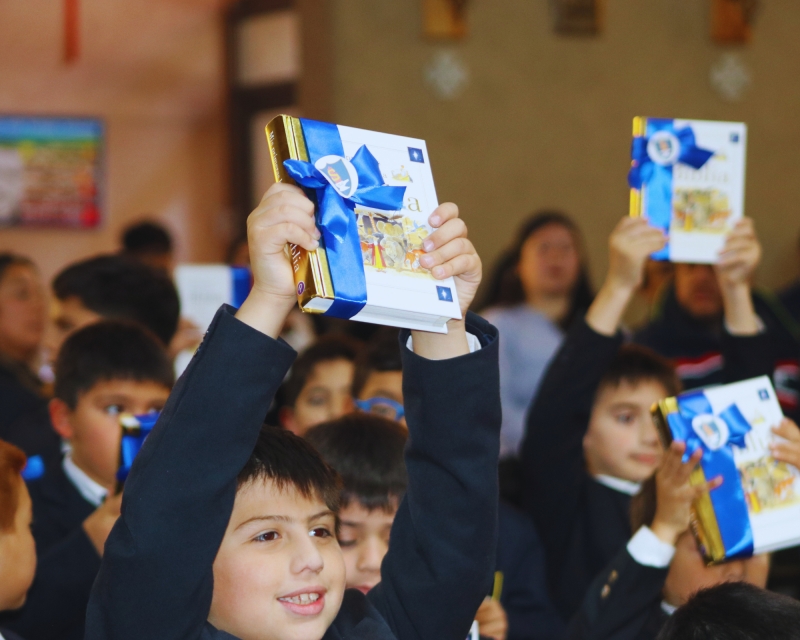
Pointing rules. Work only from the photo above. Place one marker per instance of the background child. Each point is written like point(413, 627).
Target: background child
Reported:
point(590, 440)
point(735, 610)
point(17, 548)
point(116, 288)
point(318, 386)
point(367, 452)
point(378, 378)
point(661, 567)
point(103, 370)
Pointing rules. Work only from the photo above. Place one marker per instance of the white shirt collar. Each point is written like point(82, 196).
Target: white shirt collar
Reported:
point(618, 484)
point(92, 492)
point(667, 608)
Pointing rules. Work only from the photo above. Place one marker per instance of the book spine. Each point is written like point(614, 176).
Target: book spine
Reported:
point(639, 128)
point(311, 274)
point(704, 519)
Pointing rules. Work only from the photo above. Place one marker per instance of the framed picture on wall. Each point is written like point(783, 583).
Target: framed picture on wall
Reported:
point(51, 171)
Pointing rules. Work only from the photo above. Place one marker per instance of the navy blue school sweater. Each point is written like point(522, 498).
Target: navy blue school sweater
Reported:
point(67, 562)
point(525, 597)
point(697, 347)
point(582, 523)
point(156, 577)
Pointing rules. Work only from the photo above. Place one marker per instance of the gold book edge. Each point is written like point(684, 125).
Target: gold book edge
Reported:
point(639, 128)
point(312, 275)
point(704, 525)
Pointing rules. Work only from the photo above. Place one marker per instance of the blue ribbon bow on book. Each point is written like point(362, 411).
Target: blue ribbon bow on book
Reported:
point(340, 185)
point(653, 157)
point(135, 430)
point(698, 426)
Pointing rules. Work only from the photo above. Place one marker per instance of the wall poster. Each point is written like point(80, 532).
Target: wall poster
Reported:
point(51, 172)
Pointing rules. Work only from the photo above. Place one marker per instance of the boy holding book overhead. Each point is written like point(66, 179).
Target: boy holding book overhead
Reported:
point(228, 530)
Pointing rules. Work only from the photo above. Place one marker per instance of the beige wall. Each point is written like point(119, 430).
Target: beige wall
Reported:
point(546, 120)
point(152, 70)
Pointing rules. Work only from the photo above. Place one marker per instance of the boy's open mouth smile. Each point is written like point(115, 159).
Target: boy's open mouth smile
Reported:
point(305, 602)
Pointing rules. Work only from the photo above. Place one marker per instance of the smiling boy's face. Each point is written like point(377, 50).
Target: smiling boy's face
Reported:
point(279, 572)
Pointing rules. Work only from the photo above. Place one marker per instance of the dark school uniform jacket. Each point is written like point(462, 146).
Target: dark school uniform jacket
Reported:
point(9, 635)
point(67, 563)
point(24, 419)
point(582, 523)
point(623, 603)
point(525, 598)
point(790, 298)
point(698, 348)
point(156, 576)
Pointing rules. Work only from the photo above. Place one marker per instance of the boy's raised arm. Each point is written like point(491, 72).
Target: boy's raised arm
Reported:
point(552, 451)
point(156, 578)
point(441, 555)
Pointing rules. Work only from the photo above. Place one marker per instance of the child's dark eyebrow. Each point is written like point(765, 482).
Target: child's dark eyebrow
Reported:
point(316, 516)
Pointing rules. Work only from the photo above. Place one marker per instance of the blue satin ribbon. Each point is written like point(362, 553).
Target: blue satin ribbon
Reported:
point(242, 283)
point(728, 499)
point(336, 217)
point(658, 178)
point(132, 441)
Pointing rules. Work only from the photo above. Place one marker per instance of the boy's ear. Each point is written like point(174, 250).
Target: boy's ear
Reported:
point(59, 418)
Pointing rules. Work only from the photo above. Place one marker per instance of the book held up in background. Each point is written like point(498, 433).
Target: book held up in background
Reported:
point(687, 178)
point(756, 509)
point(373, 193)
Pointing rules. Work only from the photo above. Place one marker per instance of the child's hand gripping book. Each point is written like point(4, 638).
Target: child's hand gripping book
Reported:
point(374, 193)
point(687, 178)
point(757, 507)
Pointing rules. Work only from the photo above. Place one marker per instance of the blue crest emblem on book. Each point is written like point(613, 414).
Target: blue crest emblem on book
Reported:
point(712, 431)
point(444, 294)
point(340, 173)
point(415, 155)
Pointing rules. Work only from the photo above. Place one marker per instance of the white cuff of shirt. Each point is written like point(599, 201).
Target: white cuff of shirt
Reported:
point(472, 341)
point(647, 549)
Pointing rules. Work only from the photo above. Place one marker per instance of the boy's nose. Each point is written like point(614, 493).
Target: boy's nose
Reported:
point(306, 556)
point(371, 555)
point(342, 406)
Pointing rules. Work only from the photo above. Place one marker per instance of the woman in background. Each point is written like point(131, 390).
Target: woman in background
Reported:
point(538, 288)
point(22, 324)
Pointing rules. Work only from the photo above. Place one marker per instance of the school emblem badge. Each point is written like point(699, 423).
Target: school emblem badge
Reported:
point(340, 173)
point(663, 148)
point(712, 430)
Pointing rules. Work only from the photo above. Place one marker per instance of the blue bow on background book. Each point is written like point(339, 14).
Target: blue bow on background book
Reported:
point(697, 426)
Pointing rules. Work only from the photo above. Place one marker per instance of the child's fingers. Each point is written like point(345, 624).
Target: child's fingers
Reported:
point(788, 452)
point(279, 187)
point(672, 458)
point(787, 429)
point(452, 249)
point(449, 231)
point(276, 236)
point(465, 265)
point(441, 214)
point(707, 486)
point(689, 466)
point(279, 213)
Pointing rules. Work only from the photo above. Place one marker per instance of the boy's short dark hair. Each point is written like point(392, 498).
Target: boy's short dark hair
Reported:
point(109, 350)
point(635, 364)
point(735, 611)
point(12, 462)
point(367, 452)
point(123, 289)
point(146, 238)
point(324, 349)
point(382, 353)
point(289, 461)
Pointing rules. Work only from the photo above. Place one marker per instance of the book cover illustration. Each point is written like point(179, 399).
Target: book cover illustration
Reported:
point(687, 178)
point(757, 507)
